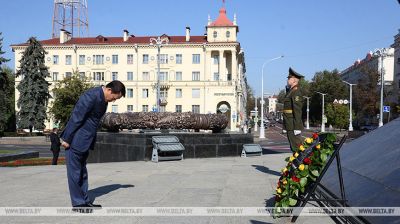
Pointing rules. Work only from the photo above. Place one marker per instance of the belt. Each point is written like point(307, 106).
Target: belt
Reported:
point(287, 111)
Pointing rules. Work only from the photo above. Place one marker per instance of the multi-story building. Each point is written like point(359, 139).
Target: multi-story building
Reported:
point(396, 72)
point(201, 74)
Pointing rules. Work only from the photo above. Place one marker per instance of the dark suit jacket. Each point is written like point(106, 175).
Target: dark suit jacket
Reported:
point(55, 141)
point(80, 131)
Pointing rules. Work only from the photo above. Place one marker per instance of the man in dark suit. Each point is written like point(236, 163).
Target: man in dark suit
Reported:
point(55, 145)
point(79, 136)
point(292, 110)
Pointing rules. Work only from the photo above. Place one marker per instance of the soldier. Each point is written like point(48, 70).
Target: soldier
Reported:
point(292, 110)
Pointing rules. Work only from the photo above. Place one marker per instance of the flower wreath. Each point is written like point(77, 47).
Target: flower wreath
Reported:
point(303, 168)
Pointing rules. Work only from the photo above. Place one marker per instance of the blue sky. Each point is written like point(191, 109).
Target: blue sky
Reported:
point(313, 35)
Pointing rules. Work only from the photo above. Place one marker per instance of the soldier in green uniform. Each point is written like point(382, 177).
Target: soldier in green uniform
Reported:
point(292, 110)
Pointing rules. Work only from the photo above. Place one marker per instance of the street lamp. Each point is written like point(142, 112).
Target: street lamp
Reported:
point(351, 105)
point(262, 129)
point(308, 112)
point(381, 53)
point(158, 42)
point(256, 115)
point(323, 111)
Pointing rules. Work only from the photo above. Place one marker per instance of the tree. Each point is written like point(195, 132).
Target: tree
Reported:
point(66, 94)
point(5, 84)
point(33, 88)
point(337, 115)
point(10, 100)
point(250, 100)
point(328, 82)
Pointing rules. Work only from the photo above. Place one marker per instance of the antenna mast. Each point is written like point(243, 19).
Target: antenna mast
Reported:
point(72, 16)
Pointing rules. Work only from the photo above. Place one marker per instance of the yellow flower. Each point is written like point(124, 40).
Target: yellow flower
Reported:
point(284, 170)
point(318, 146)
point(301, 148)
point(278, 190)
point(291, 159)
point(284, 182)
point(309, 140)
point(296, 155)
point(301, 167)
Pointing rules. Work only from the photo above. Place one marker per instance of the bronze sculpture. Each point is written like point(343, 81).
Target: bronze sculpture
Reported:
point(164, 120)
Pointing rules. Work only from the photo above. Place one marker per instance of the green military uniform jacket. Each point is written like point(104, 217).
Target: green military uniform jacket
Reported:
point(292, 110)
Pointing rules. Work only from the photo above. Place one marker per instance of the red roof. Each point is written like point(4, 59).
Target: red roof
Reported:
point(101, 40)
point(222, 20)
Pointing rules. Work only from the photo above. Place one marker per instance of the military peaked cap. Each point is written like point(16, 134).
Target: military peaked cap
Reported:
point(293, 73)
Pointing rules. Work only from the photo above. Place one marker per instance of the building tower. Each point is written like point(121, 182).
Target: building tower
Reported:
point(72, 16)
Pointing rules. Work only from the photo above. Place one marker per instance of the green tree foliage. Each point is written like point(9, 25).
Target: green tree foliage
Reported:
point(66, 94)
point(10, 100)
point(250, 100)
point(337, 115)
point(5, 83)
point(328, 82)
point(33, 88)
point(366, 95)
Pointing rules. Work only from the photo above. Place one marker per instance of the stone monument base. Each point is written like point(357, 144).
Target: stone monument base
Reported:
point(128, 146)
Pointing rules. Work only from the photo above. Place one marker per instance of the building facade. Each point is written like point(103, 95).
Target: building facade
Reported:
point(201, 74)
point(396, 72)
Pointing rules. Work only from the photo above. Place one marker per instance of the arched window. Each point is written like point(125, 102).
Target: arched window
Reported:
point(215, 34)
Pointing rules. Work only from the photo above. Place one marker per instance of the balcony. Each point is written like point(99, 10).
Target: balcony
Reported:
point(163, 101)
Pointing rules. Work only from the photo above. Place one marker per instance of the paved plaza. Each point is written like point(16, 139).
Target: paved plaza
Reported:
point(213, 182)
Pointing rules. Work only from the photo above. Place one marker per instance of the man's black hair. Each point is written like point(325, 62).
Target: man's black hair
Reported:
point(116, 87)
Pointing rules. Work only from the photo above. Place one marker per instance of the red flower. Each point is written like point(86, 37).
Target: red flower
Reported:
point(315, 135)
point(295, 179)
point(307, 161)
point(286, 173)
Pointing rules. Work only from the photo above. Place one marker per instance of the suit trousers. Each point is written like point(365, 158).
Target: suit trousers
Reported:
point(294, 140)
point(55, 156)
point(77, 176)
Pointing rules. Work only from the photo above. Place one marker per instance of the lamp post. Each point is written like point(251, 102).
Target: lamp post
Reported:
point(323, 111)
point(262, 129)
point(381, 53)
point(158, 42)
point(308, 112)
point(256, 115)
point(351, 105)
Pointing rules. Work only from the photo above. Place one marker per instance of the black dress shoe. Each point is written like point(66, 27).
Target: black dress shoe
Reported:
point(90, 204)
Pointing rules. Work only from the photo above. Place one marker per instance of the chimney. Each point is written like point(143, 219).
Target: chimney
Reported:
point(126, 35)
point(187, 34)
point(64, 36)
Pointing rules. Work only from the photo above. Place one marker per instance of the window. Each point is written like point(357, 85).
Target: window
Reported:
point(98, 59)
point(145, 76)
point(68, 75)
point(215, 59)
point(163, 93)
point(145, 108)
point(55, 59)
point(178, 93)
point(114, 108)
point(81, 59)
point(162, 108)
point(398, 60)
point(130, 59)
point(129, 76)
point(215, 34)
point(163, 76)
point(115, 59)
point(68, 59)
point(196, 58)
point(163, 58)
point(129, 108)
point(195, 93)
point(229, 77)
point(55, 76)
point(145, 93)
point(178, 59)
point(178, 108)
point(114, 76)
point(178, 76)
point(145, 59)
point(82, 75)
point(228, 34)
point(216, 76)
point(129, 93)
point(195, 76)
point(98, 76)
point(196, 109)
